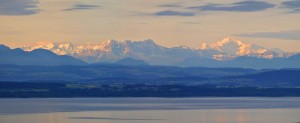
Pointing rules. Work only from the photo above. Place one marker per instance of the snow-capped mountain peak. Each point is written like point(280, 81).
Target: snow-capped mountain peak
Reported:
point(203, 46)
point(67, 45)
point(231, 47)
point(109, 42)
point(228, 40)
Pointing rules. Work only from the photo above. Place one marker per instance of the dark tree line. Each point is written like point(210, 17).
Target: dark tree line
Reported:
point(44, 89)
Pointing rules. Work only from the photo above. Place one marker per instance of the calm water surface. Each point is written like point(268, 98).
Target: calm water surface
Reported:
point(150, 110)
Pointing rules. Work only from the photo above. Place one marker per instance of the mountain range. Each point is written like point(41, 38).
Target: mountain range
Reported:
point(228, 52)
point(149, 51)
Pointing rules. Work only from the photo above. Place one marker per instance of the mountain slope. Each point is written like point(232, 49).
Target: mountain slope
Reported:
point(280, 78)
point(131, 62)
point(245, 62)
point(4, 48)
point(109, 72)
point(149, 74)
point(35, 57)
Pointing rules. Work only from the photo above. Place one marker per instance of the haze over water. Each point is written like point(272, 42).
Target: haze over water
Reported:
point(150, 110)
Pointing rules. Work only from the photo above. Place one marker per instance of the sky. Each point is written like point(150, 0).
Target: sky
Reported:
point(269, 23)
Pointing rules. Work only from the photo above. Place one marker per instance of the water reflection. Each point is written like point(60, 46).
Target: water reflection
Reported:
point(108, 118)
point(153, 110)
point(221, 116)
point(29, 106)
point(241, 116)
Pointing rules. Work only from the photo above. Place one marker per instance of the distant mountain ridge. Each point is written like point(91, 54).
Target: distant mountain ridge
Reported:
point(228, 52)
point(151, 74)
point(245, 62)
point(149, 51)
point(35, 57)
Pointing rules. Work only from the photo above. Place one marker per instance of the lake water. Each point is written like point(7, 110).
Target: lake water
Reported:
point(150, 110)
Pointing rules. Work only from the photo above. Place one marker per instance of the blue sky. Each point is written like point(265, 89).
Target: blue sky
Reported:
point(168, 22)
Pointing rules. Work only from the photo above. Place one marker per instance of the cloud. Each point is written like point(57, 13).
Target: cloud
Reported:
point(173, 13)
point(81, 7)
point(171, 5)
point(245, 6)
point(18, 7)
point(289, 35)
point(294, 5)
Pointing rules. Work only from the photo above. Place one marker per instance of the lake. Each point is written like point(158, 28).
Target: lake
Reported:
point(150, 110)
